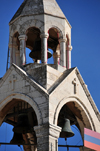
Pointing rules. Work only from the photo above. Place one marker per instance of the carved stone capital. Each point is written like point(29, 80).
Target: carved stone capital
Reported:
point(62, 40)
point(22, 37)
point(54, 131)
point(47, 136)
point(44, 35)
point(47, 130)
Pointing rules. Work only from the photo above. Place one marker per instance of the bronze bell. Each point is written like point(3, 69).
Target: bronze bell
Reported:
point(66, 130)
point(22, 125)
point(36, 52)
point(17, 139)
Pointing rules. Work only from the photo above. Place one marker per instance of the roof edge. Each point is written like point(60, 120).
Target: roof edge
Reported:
point(88, 94)
point(28, 78)
point(60, 79)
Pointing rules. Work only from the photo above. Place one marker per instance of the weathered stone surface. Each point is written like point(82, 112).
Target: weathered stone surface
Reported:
point(32, 7)
point(51, 91)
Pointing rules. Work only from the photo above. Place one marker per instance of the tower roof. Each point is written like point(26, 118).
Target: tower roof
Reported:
point(35, 7)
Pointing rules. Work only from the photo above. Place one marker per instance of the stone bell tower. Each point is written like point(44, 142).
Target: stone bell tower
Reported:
point(36, 98)
point(40, 20)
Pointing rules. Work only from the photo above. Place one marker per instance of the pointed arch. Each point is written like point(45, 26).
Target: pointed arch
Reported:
point(25, 98)
point(85, 111)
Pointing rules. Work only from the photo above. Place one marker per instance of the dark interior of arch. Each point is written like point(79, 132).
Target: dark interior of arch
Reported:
point(34, 41)
point(53, 39)
point(16, 107)
point(71, 112)
point(22, 117)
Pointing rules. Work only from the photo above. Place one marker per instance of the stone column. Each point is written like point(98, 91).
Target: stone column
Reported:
point(44, 56)
point(17, 57)
point(68, 62)
point(22, 39)
point(47, 137)
point(11, 56)
point(56, 57)
point(62, 52)
point(13, 48)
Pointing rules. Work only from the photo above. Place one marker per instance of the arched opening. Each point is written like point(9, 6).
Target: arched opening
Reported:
point(15, 49)
point(22, 118)
point(53, 45)
point(33, 44)
point(78, 119)
point(51, 60)
point(28, 59)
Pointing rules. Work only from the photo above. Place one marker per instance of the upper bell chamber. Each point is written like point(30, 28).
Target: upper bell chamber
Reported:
point(40, 27)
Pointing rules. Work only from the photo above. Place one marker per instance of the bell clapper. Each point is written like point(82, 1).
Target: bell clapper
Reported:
point(66, 144)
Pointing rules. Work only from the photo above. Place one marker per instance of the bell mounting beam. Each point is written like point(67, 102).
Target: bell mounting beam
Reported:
point(16, 113)
point(3, 143)
point(77, 146)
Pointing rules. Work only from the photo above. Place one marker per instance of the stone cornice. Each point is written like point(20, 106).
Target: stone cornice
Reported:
point(10, 23)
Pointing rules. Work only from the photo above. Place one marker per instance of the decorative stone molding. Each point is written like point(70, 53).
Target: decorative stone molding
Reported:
point(62, 40)
point(44, 35)
point(47, 129)
point(54, 130)
point(22, 37)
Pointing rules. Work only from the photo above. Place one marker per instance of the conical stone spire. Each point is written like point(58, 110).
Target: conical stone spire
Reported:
point(35, 7)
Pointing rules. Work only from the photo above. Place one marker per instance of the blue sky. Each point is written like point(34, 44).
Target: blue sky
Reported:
point(84, 17)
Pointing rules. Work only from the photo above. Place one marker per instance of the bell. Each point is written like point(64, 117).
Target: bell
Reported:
point(66, 130)
point(17, 139)
point(22, 125)
point(36, 52)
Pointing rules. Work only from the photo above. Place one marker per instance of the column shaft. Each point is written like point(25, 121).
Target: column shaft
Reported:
point(11, 55)
point(68, 63)
point(22, 39)
point(62, 52)
point(44, 48)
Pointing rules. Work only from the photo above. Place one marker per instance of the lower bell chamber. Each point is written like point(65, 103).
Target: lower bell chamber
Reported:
point(22, 125)
point(17, 139)
point(66, 129)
